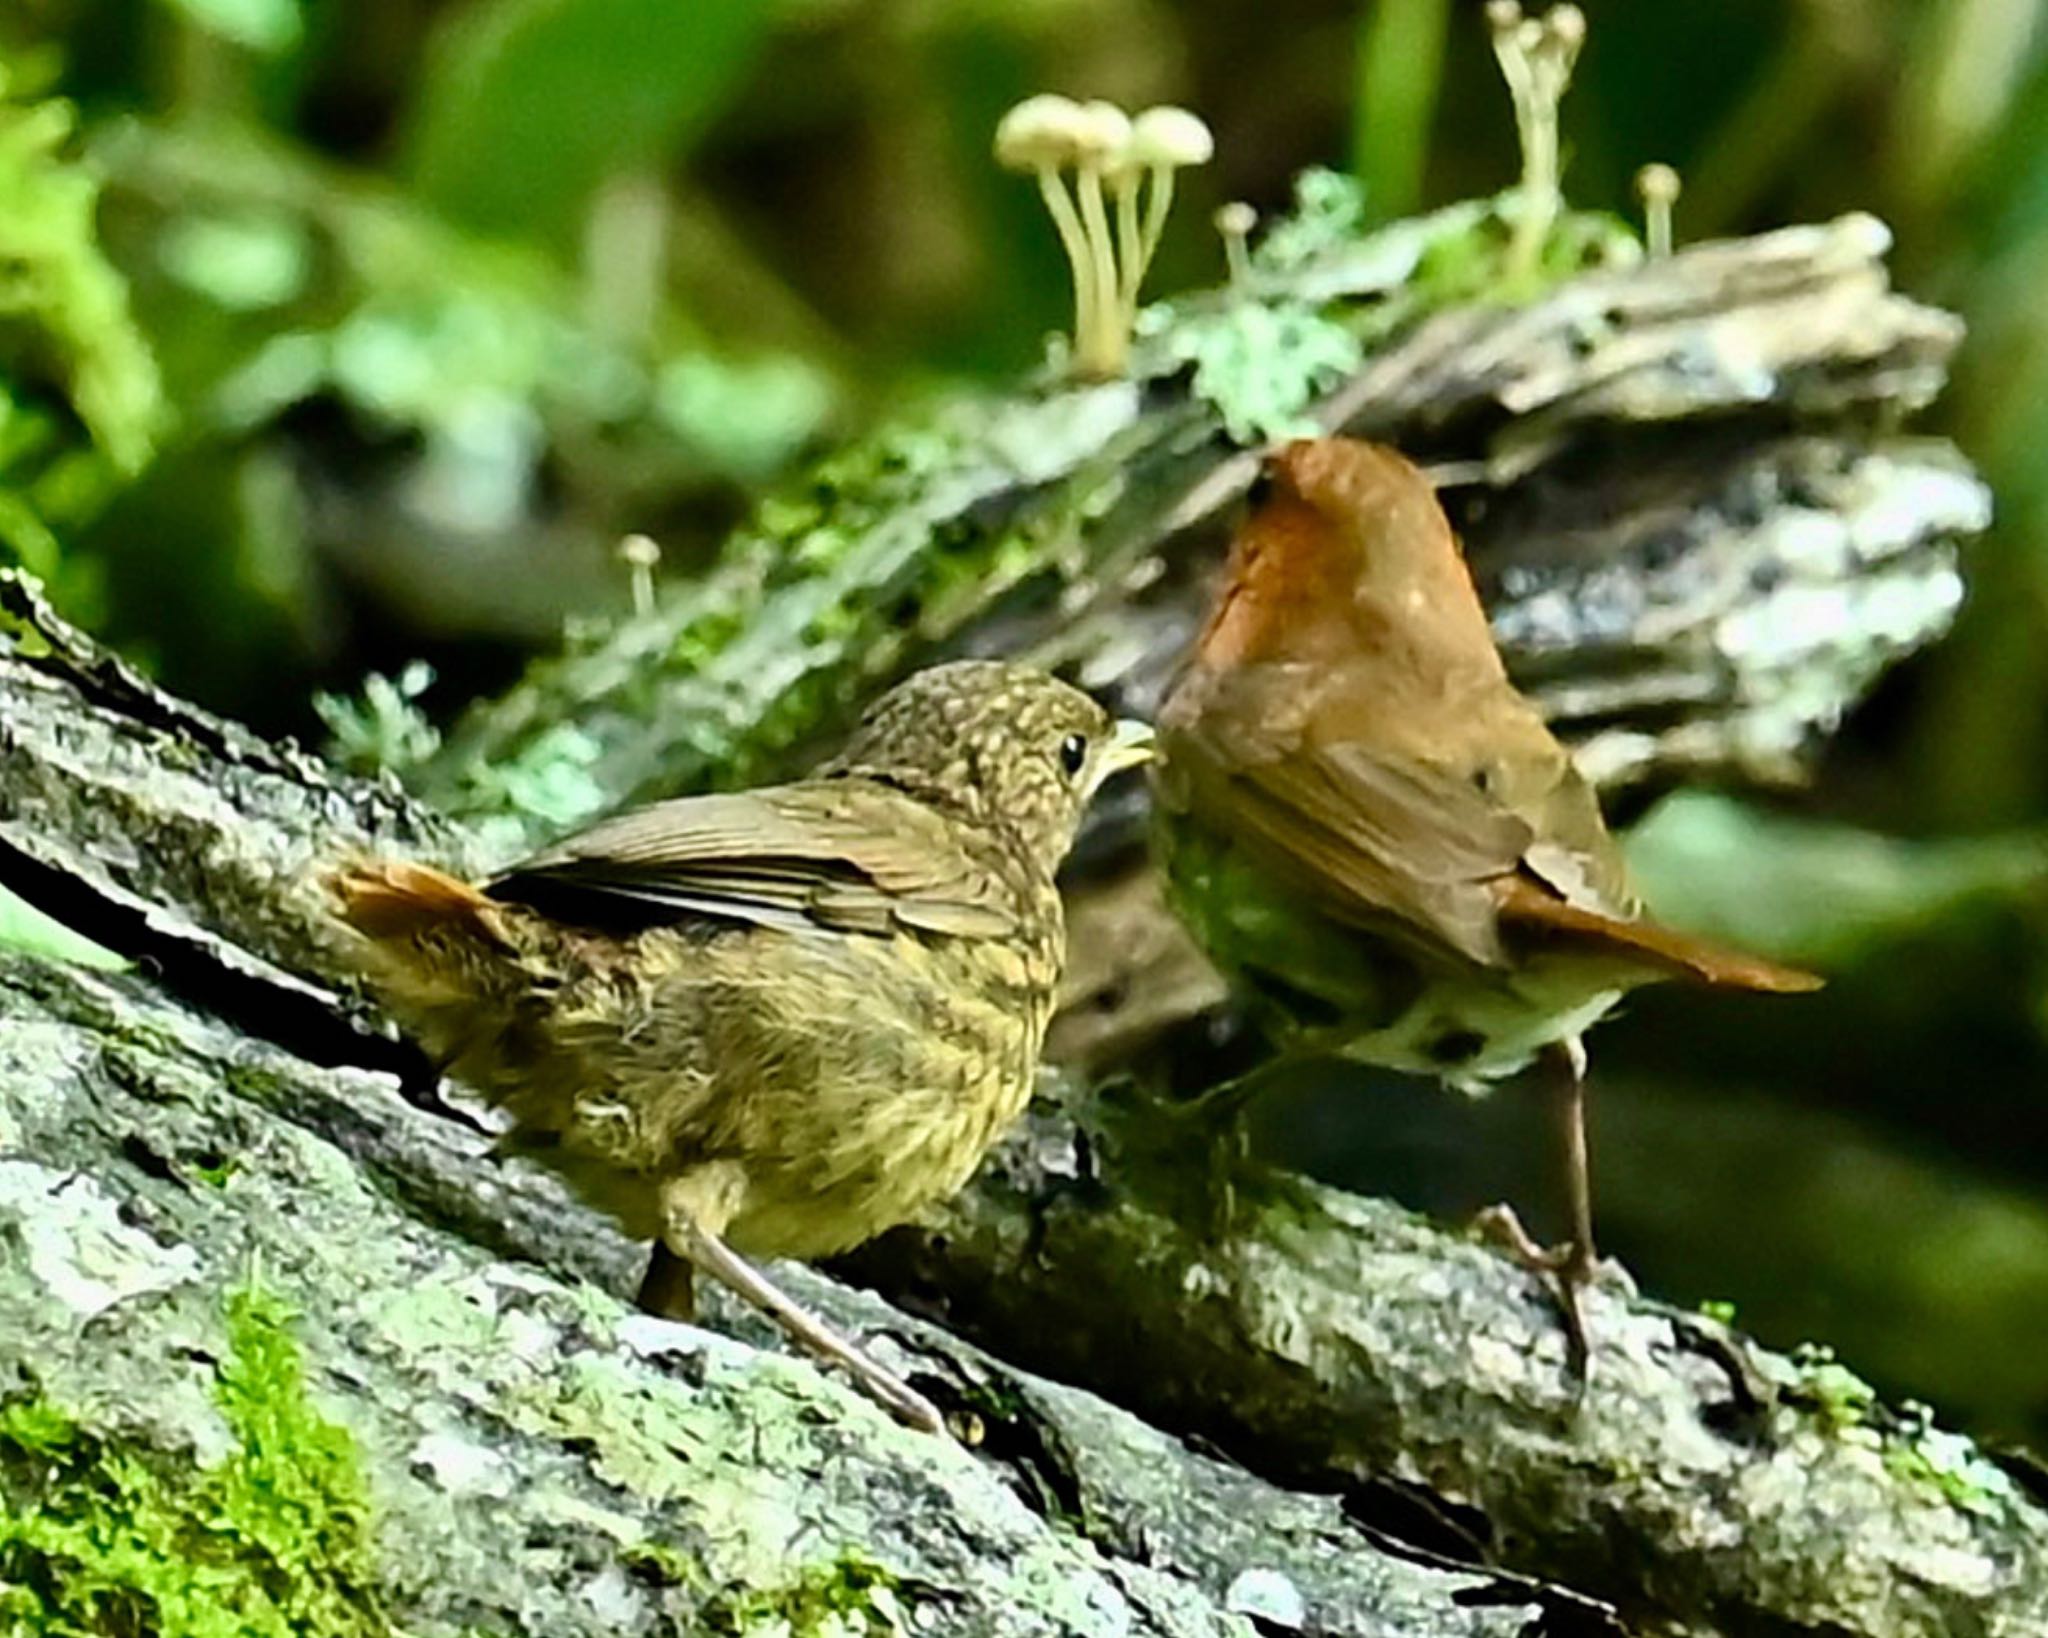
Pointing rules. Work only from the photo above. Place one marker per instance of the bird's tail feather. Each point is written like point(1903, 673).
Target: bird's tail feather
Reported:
point(1676, 954)
point(390, 899)
point(438, 952)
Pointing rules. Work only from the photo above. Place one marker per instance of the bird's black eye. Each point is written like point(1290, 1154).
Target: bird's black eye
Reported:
point(1073, 753)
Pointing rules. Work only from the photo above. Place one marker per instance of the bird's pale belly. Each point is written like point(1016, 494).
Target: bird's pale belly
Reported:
point(1472, 1033)
point(865, 1084)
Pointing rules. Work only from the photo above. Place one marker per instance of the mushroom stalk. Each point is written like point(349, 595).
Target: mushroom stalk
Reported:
point(1658, 187)
point(1067, 221)
point(1536, 60)
point(1130, 256)
point(1099, 351)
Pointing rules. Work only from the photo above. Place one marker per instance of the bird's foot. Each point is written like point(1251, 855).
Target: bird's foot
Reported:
point(696, 1245)
point(1571, 1267)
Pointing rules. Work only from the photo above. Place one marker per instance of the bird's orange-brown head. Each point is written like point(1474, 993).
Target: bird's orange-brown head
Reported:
point(1346, 556)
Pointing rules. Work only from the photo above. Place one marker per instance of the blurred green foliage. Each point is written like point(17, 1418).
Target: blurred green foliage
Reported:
point(339, 338)
point(79, 401)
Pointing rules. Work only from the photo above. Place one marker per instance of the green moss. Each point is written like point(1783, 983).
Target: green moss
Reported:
point(1912, 1448)
point(1920, 1453)
point(1836, 1394)
point(850, 1597)
point(100, 1535)
point(383, 726)
point(1261, 366)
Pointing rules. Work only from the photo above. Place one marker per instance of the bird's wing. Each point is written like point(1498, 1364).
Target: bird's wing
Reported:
point(1385, 842)
point(843, 854)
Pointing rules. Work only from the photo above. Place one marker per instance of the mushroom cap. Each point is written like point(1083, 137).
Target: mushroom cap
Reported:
point(640, 550)
point(1657, 183)
point(1235, 219)
point(1170, 136)
point(1104, 135)
point(1503, 16)
point(1566, 25)
point(1041, 130)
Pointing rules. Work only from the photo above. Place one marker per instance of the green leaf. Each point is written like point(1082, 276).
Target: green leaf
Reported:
point(59, 297)
point(528, 105)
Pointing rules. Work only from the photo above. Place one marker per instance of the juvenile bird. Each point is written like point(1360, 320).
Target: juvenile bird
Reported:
point(1373, 832)
point(775, 1023)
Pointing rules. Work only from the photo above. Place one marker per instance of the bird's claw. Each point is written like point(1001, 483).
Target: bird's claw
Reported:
point(1570, 1266)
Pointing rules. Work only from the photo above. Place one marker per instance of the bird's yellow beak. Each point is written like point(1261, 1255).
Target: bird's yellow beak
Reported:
point(1130, 743)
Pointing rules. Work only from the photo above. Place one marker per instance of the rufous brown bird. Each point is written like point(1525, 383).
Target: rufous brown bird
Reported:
point(774, 1023)
point(1374, 833)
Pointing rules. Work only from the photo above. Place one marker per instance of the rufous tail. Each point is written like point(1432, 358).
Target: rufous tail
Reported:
point(1680, 955)
point(389, 899)
point(439, 953)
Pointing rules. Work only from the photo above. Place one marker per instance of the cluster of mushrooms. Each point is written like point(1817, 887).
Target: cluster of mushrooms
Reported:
point(1120, 164)
point(1122, 179)
point(1536, 57)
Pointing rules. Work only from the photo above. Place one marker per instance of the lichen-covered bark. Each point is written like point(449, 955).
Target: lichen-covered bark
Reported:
point(1342, 1343)
point(538, 1456)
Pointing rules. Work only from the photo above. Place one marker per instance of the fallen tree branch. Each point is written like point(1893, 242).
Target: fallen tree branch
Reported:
point(535, 1455)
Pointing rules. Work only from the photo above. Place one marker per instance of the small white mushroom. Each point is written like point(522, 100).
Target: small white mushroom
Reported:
point(1235, 222)
point(1658, 187)
point(1163, 140)
point(1042, 135)
point(640, 554)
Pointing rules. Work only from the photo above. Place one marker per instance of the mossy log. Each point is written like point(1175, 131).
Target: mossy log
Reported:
point(1679, 515)
point(260, 1374)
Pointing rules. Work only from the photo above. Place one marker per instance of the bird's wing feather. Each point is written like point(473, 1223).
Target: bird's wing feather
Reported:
point(1386, 843)
point(849, 855)
point(1531, 907)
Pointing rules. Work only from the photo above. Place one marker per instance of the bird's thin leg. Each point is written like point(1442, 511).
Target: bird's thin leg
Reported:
point(1568, 1069)
point(687, 1238)
point(669, 1287)
point(1572, 1264)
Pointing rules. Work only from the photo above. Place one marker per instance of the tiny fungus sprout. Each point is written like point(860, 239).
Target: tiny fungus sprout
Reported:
point(1536, 59)
point(1235, 222)
point(640, 555)
point(1105, 148)
point(1658, 187)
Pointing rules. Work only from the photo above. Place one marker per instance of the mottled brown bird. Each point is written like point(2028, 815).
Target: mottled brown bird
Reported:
point(1373, 831)
point(775, 1023)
